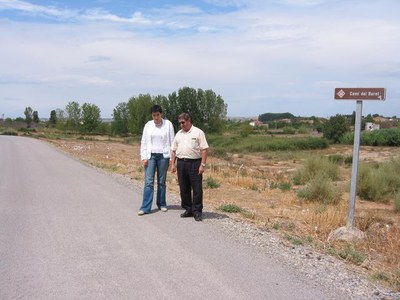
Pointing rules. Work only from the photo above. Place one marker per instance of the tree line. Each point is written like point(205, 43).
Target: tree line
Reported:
point(207, 109)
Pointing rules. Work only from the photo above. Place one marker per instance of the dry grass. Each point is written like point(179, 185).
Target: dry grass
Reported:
point(252, 183)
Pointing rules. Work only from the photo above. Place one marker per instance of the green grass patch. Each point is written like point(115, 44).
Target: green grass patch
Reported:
point(294, 240)
point(250, 144)
point(381, 276)
point(285, 186)
point(211, 183)
point(230, 208)
point(350, 254)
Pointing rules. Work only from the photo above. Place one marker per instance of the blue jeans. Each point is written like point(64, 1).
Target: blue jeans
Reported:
point(158, 163)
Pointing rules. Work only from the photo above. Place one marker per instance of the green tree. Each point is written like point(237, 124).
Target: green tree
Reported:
point(91, 119)
point(207, 110)
point(53, 118)
point(120, 119)
point(61, 119)
point(171, 110)
point(28, 116)
point(35, 117)
point(73, 117)
point(139, 112)
point(268, 117)
point(187, 102)
point(335, 128)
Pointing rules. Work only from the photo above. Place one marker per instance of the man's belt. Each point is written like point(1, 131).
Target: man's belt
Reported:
point(189, 159)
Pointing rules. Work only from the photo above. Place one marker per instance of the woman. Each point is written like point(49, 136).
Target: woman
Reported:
point(155, 152)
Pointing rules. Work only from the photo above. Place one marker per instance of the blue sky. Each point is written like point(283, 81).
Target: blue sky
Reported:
point(259, 55)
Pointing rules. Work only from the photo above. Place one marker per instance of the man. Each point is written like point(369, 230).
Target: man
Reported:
point(190, 148)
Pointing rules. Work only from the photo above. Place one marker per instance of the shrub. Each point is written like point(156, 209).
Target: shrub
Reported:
point(9, 131)
point(285, 186)
point(288, 130)
point(320, 189)
point(335, 128)
point(223, 144)
point(230, 208)
point(348, 160)
point(378, 182)
point(336, 158)
point(347, 138)
point(382, 137)
point(211, 183)
point(381, 276)
point(316, 167)
point(352, 255)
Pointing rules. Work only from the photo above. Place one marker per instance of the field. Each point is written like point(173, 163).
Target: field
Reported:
point(259, 188)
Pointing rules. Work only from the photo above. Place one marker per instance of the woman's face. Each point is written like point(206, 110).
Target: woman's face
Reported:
point(157, 117)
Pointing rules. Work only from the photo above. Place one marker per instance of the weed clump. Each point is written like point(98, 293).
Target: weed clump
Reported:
point(379, 182)
point(316, 167)
point(320, 189)
point(211, 183)
point(230, 208)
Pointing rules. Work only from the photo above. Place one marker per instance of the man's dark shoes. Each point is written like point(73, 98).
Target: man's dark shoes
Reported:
point(187, 214)
point(198, 218)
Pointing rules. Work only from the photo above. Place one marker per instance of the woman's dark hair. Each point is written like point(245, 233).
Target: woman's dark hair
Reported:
point(156, 108)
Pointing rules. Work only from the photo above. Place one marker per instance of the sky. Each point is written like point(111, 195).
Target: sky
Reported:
point(259, 55)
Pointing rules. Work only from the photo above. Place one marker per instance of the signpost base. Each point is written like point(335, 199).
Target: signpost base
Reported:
point(346, 233)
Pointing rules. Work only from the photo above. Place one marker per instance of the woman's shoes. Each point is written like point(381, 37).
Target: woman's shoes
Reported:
point(164, 209)
point(140, 213)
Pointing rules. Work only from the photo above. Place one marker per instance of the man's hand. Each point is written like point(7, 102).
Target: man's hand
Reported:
point(202, 169)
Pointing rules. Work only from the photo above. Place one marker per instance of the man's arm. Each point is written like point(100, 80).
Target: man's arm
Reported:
point(172, 161)
point(203, 160)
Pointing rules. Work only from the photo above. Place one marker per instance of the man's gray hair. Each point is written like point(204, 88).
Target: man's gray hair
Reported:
point(184, 116)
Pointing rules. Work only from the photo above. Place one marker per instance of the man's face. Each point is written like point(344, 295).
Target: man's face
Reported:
point(185, 124)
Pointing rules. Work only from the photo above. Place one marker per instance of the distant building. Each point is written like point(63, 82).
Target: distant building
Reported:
point(256, 123)
point(369, 126)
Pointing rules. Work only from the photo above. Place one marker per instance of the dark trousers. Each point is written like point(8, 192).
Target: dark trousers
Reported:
point(190, 181)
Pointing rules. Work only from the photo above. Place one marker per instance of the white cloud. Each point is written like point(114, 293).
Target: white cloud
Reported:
point(35, 9)
point(257, 57)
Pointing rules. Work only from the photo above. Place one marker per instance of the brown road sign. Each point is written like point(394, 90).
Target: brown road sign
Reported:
point(360, 93)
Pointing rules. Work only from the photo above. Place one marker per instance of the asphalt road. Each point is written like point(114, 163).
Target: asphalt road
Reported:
point(69, 231)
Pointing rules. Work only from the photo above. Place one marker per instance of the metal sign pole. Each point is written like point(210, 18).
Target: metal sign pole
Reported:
point(356, 150)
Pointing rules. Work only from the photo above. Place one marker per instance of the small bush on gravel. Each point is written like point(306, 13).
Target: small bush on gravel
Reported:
point(350, 254)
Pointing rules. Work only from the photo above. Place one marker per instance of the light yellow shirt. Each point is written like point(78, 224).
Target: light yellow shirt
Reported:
point(189, 144)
